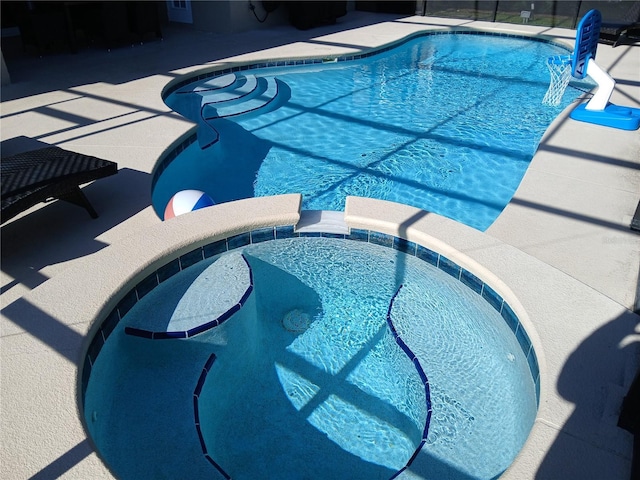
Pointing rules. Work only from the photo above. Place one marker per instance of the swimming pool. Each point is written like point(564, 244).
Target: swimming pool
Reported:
point(447, 123)
point(309, 376)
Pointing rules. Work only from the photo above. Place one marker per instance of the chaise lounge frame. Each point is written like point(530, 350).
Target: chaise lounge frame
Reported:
point(49, 173)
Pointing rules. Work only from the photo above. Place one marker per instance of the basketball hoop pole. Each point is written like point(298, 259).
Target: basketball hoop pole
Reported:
point(605, 82)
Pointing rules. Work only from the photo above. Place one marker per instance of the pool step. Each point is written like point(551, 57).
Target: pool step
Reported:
point(242, 87)
point(254, 94)
point(214, 296)
point(207, 135)
point(231, 96)
point(213, 84)
point(322, 221)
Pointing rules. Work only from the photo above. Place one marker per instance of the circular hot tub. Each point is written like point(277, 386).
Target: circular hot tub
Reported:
point(273, 354)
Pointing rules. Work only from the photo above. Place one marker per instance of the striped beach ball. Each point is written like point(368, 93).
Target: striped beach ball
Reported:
point(187, 201)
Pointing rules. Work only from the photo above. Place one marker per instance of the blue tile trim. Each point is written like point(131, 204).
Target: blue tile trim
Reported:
point(168, 335)
point(199, 385)
point(403, 346)
point(201, 328)
point(490, 295)
point(532, 360)
point(422, 443)
point(215, 248)
point(191, 258)
point(510, 317)
point(109, 324)
point(421, 374)
point(449, 267)
point(358, 235)
point(203, 447)
point(169, 270)
point(404, 246)
point(237, 241)
point(381, 239)
point(246, 295)
point(471, 281)
point(209, 364)
point(523, 340)
point(129, 300)
point(164, 335)
point(196, 413)
point(310, 234)
point(263, 235)
point(165, 160)
point(286, 232)
point(333, 235)
point(86, 373)
point(218, 467)
point(232, 311)
point(146, 285)
point(136, 332)
point(282, 232)
point(196, 409)
point(423, 253)
point(94, 348)
point(398, 473)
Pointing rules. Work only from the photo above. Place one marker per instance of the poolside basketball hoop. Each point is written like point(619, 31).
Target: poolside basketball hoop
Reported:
point(581, 63)
point(560, 71)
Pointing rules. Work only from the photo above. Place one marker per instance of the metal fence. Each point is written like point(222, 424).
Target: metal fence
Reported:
point(563, 13)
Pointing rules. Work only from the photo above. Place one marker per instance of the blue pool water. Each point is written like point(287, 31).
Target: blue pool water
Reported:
point(307, 379)
point(446, 123)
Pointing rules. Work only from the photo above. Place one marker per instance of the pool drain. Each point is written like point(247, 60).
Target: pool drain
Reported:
point(296, 321)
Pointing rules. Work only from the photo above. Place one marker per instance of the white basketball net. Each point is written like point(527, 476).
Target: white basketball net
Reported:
point(560, 70)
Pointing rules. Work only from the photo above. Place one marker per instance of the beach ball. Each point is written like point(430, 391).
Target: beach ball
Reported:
point(186, 201)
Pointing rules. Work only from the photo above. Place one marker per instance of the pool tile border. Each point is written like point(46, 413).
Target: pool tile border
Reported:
point(340, 58)
point(217, 247)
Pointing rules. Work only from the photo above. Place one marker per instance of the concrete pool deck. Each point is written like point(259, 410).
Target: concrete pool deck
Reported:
point(562, 248)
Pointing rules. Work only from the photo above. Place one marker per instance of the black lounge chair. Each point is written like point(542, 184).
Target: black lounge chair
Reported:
point(35, 176)
point(613, 33)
